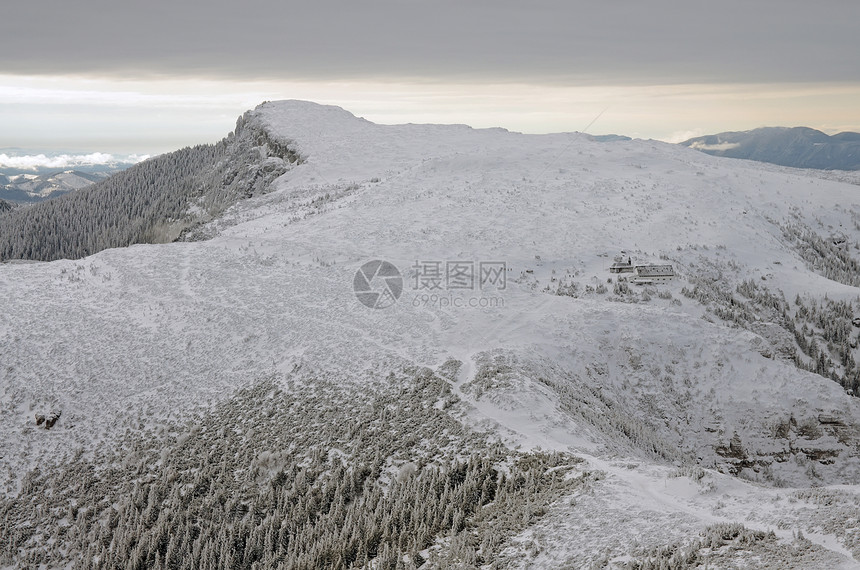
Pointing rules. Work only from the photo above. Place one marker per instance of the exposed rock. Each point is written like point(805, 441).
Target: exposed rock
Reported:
point(52, 419)
point(823, 456)
point(830, 419)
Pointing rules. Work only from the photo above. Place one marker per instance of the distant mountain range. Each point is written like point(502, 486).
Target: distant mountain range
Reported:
point(799, 147)
point(28, 175)
point(24, 188)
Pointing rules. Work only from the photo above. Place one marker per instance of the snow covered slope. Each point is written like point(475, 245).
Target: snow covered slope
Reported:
point(692, 401)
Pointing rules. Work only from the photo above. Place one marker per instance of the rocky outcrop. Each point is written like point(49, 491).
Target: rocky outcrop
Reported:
point(49, 420)
point(52, 419)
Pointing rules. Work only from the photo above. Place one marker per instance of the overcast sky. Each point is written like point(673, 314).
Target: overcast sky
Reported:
point(148, 76)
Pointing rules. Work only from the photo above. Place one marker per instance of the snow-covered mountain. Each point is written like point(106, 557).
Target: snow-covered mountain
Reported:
point(233, 400)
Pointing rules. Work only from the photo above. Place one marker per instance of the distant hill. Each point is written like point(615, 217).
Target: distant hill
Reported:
point(609, 138)
point(799, 147)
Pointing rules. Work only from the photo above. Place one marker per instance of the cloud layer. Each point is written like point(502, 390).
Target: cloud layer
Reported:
point(698, 145)
point(546, 41)
point(34, 162)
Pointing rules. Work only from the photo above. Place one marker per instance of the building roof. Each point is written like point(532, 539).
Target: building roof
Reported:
point(655, 271)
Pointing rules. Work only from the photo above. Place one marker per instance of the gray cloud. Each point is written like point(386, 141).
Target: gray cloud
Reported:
point(609, 41)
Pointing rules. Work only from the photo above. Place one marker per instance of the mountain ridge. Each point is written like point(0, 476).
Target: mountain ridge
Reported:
point(158, 200)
